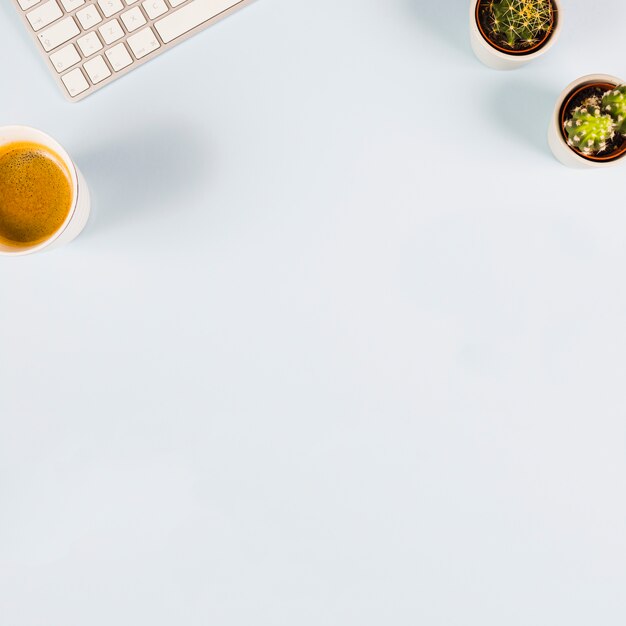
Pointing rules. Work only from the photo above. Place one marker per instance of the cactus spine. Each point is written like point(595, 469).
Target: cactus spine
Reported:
point(614, 103)
point(521, 23)
point(588, 129)
point(596, 122)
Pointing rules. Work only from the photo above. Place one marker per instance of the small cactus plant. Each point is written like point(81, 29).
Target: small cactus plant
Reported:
point(614, 104)
point(588, 129)
point(596, 125)
point(521, 24)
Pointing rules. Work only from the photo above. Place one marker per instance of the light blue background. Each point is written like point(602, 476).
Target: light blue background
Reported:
point(342, 343)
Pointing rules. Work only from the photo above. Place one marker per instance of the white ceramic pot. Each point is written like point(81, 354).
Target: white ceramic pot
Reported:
point(556, 138)
point(81, 202)
point(498, 60)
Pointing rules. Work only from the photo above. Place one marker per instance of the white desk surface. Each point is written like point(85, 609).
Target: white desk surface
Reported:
point(341, 345)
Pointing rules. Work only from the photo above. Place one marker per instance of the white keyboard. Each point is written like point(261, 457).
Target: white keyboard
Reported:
point(89, 43)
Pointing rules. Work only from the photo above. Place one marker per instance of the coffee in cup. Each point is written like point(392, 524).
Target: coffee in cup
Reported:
point(35, 193)
point(44, 200)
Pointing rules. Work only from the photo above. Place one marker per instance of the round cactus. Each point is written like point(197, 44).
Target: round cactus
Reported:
point(521, 23)
point(614, 103)
point(588, 129)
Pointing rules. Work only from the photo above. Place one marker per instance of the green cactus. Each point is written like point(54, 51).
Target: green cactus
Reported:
point(614, 103)
point(588, 129)
point(521, 23)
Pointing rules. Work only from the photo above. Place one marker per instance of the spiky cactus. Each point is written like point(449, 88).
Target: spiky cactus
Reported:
point(588, 129)
point(521, 23)
point(614, 103)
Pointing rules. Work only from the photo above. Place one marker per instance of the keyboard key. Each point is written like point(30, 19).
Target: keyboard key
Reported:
point(58, 34)
point(143, 43)
point(89, 44)
point(154, 8)
point(97, 69)
point(133, 19)
point(28, 4)
point(118, 56)
point(111, 31)
point(110, 7)
point(89, 16)
point(75, 82)
point(65, 58)
point(44, 14)
point(70, 5)
point(191, 15)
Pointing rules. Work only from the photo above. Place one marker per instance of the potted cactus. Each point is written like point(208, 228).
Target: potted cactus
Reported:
point(507, 34)
point(588, 128)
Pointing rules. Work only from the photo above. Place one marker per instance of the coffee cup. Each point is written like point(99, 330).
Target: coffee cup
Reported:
point(77, 192)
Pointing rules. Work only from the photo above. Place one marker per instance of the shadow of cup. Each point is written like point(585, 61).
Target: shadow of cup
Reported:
point(138, 175)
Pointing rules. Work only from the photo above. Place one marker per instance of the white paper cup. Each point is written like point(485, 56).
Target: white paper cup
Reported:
point(81, 204)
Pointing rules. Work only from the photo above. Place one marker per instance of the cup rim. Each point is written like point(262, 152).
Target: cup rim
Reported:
point(54, 145)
